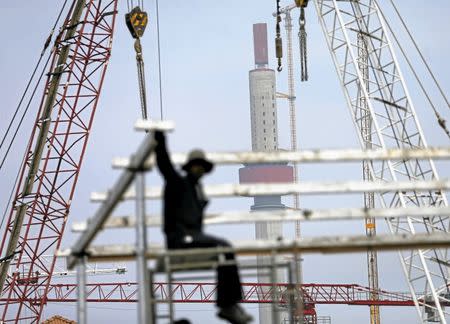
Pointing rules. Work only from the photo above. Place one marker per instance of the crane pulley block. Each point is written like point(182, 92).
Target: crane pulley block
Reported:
point(301, 3)
point(136, 21)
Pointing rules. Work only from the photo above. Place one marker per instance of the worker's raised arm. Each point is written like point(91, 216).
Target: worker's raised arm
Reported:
point(163, 161)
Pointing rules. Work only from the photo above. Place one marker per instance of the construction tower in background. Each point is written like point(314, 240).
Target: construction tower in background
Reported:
point(264, 129)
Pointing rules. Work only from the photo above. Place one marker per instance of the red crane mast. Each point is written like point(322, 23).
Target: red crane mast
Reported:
point(41, 205)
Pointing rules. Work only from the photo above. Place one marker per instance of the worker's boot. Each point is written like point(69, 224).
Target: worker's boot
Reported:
point(234, 314)
point(249, 317)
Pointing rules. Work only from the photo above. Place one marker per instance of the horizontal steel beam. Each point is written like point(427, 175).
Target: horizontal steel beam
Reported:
point(152, 125)
point(304, 156)
point(326, 244)
point(205, 292)
point(121, 186)
point(304, 188)
point(282, 216)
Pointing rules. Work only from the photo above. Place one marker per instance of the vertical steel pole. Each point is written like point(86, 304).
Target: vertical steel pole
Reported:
point(300, 307)
point(169, 285)
point(273, 279)
point(81, 300)
point(144, 307)
point(291, 291)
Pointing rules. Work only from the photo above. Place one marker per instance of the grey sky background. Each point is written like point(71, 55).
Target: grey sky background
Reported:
point(207, 51)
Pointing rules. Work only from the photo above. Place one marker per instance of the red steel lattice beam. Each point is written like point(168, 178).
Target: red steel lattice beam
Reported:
point(200, 292)
point(80, 56)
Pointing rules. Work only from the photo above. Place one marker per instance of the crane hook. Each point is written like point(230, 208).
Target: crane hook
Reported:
point(278, 40)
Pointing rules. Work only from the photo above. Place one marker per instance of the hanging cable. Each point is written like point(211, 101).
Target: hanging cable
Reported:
point(440, 120)
point(159, 62)
point(420, 54)
point(278, 40)
point(302, 43)
point(141, 77)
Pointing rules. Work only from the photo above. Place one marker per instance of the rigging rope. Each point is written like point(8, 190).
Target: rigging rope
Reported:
point(141, 77)
point(302, 43)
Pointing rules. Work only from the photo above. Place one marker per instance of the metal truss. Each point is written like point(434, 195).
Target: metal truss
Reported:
point(203, 292)
point(56, 148)
point(60, 269)
point(378, 91)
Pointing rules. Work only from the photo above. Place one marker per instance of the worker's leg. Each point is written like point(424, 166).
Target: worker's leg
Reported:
point(228, 282)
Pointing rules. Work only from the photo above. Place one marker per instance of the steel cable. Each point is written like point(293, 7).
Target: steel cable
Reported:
point(159, 62)
point(420, 54)
point(441, 121)
point(302, 36)
point(12, 192)
point(24, 113)
point(46, 45)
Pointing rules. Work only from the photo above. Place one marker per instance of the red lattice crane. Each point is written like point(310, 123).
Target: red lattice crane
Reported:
point(42, 201)
point(204, 292)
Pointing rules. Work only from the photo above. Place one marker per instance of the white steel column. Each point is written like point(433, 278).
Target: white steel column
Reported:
point(144, 307)
point(81, 291)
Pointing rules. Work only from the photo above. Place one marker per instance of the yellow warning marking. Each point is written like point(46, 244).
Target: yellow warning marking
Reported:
point(370, 225)
point(141, 21)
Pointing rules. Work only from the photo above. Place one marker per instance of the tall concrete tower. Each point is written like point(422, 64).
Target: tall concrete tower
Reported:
point(263, 115)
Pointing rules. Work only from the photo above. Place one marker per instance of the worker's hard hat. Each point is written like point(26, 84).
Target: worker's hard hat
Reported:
point(197, 156)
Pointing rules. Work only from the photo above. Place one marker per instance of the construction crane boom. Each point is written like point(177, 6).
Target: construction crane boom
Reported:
point(379, 84)
point(204, 292)
point(54, 155)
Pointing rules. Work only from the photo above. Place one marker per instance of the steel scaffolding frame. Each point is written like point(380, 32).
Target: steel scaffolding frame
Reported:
point(305, 215)
point(379, 91)
point(83, 251)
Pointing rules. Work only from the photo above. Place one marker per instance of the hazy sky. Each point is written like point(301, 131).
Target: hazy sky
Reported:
point(207, 51)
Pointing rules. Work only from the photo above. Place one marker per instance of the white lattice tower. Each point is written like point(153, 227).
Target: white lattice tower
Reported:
point(291, 101)
point(394, 125)
point(369, 197)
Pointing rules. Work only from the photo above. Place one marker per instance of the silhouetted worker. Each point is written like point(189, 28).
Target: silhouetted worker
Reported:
point(184, 203)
